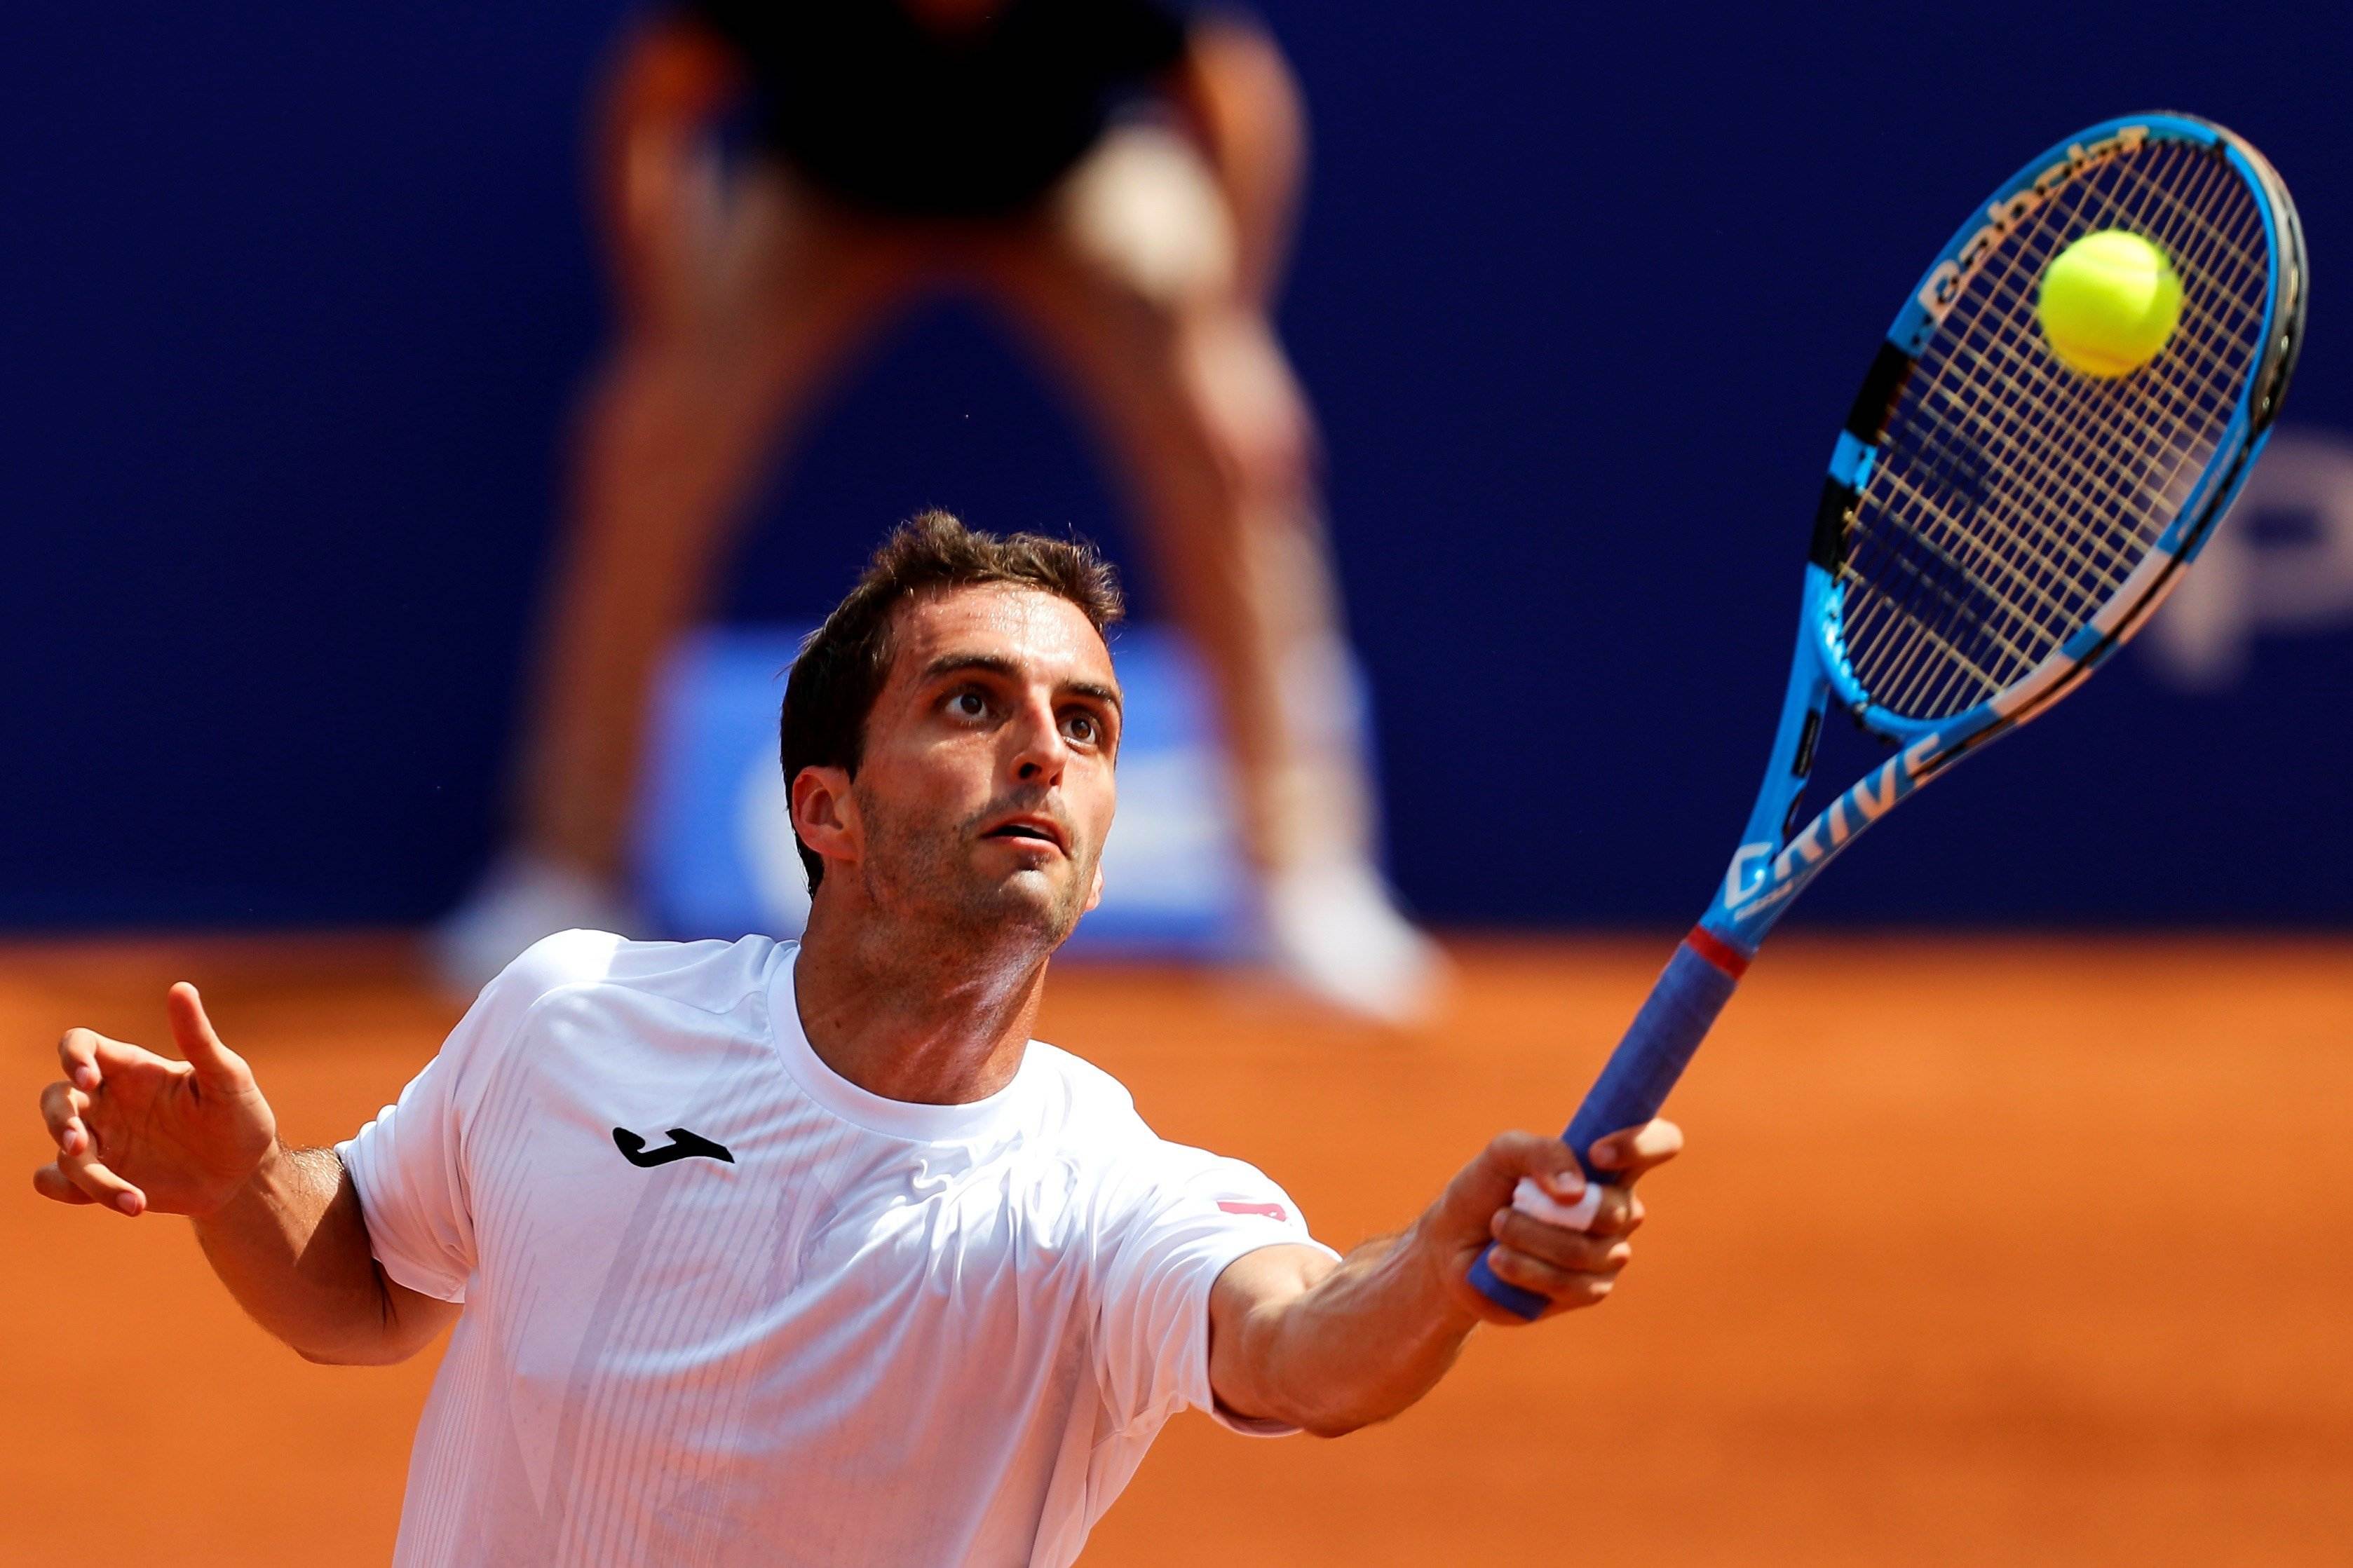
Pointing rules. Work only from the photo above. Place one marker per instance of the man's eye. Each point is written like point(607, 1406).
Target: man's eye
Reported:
point(1083, 728)
point(968, 705)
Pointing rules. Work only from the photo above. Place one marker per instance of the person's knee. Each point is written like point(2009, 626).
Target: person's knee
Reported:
point(1254, 417)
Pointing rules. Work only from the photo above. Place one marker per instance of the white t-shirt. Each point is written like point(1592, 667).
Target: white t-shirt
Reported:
point(723, 1307)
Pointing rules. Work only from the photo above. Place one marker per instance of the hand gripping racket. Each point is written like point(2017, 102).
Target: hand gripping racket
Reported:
point(1995, 525)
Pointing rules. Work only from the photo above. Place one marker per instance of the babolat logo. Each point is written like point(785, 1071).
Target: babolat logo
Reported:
point(1759, 878)
point(1943, 288)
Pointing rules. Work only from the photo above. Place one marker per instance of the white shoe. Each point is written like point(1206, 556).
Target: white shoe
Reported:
point(519, 900)
point(1335, 933)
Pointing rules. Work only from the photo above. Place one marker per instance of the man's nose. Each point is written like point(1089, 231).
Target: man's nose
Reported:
point(1040, 750)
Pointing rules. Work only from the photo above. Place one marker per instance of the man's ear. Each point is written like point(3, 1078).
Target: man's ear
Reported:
point(825, 813)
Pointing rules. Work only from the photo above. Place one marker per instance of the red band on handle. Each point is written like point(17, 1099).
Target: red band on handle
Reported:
point(1717, 951)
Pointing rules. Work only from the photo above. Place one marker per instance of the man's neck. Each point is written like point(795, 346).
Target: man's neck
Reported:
point(930, 1023)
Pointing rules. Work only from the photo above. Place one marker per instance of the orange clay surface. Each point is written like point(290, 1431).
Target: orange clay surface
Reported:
point(1987, 1251)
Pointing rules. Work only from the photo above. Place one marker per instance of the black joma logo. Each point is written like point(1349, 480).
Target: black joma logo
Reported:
point(682, 1145)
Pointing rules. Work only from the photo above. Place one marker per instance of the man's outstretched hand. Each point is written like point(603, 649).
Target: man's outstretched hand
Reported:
point(135, 1131)
point(1569, 1268)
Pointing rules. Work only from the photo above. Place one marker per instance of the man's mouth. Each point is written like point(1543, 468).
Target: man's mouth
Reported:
point(1037, 828)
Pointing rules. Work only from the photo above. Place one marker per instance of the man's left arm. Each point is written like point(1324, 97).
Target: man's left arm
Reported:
point(1297, 1338)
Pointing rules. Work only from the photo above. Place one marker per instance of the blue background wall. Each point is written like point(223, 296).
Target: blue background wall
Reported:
point(297, 296)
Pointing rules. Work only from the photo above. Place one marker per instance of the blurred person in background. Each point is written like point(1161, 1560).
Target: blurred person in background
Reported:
point(1117, 176)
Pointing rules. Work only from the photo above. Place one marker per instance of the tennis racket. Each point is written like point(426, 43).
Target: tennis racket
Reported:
point(1994, 526)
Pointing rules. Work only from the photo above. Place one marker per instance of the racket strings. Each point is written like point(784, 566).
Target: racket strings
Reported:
point(2015, 354)
point(2071, 546)
point(2107, 472)
point(2120, 445)
point(2015, 496)
point(2067, 540)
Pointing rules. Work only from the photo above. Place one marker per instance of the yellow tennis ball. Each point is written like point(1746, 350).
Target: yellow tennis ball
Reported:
point(2108, 303)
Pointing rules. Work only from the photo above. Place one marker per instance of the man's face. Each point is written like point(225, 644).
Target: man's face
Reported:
point(985, 789)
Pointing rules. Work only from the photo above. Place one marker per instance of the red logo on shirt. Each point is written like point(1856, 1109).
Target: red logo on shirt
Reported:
point(1272, 1211)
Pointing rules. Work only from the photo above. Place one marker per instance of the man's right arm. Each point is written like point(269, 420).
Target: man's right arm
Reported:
point(292, 1248)
point(283, 1228)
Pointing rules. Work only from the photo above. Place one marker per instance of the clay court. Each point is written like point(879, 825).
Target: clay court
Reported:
point(2020, 1250)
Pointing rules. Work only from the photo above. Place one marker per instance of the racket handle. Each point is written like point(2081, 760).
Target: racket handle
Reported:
point(1681, 1007)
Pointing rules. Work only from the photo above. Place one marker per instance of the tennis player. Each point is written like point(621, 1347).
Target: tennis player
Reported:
point(806, 1252)
point(1117, 178)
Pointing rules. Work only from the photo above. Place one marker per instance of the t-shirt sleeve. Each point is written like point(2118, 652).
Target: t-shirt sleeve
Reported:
point(1177, 1233)
point(408, 1165)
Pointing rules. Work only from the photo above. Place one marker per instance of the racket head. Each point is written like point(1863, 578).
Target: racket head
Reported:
point(1994, 523)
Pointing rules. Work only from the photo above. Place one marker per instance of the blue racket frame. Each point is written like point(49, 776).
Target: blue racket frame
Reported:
point(1776, 859)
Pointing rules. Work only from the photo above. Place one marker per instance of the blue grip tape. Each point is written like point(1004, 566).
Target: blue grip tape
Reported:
point(1642, 1071)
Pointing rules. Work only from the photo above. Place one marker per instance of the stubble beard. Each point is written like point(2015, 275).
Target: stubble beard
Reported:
point(926, 876)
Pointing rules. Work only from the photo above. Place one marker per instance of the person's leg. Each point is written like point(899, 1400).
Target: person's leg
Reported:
point(675, 430)
point(1128, 284)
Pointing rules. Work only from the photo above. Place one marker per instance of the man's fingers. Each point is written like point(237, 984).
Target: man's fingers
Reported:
point(1485, 1184)
point(1634, 1149)
point(89, 1058)
point(1547, 1159)
point(216, 1066)
point(102, 1184)
point(78, 1054)
point(1575, 1250)
point(54, 1184)
point(1620, 1213)
point(1562, 1287)
point(62, 1106)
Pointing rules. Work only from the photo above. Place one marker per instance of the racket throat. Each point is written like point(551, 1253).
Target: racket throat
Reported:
point(1772, 867)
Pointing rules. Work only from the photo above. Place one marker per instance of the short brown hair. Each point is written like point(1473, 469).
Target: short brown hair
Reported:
point(844, 663)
